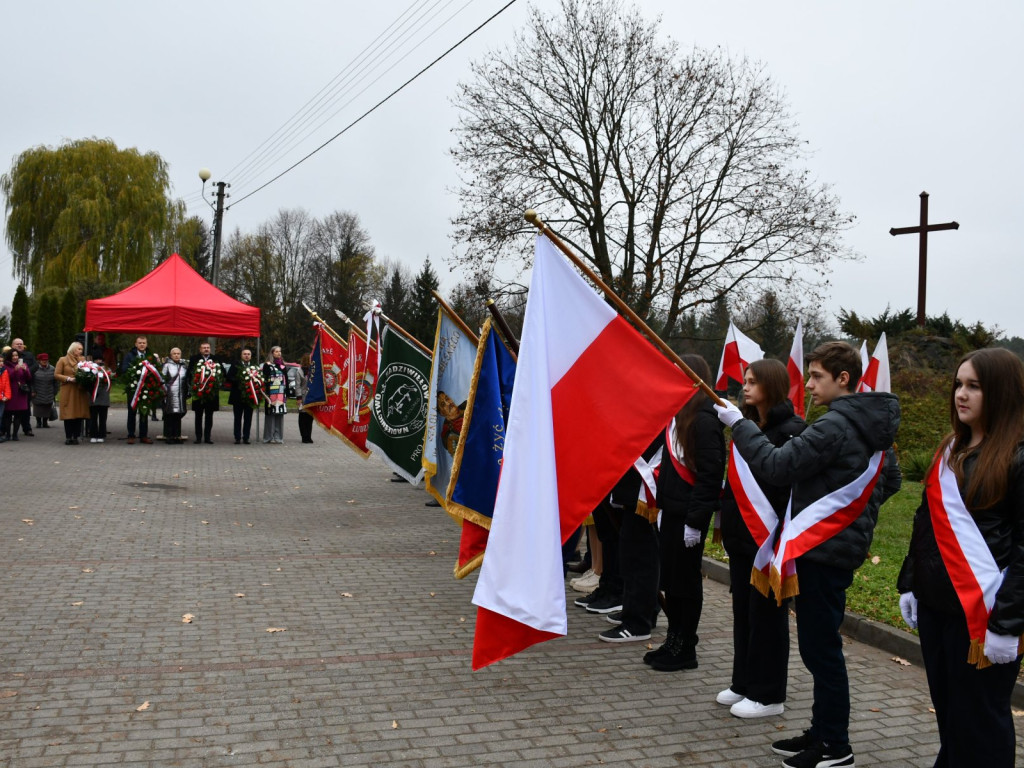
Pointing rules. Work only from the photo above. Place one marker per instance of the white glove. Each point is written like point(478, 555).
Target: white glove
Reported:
point(728, 414)
point(908, 607)
point(1000, 649)
point(691, 536)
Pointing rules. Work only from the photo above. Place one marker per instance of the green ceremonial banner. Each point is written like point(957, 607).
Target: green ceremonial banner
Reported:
point(398, 414)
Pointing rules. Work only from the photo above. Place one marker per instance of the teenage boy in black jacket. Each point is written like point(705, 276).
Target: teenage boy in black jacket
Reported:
point(831, 454)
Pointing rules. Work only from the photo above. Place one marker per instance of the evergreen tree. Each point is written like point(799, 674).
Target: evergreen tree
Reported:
point(396, 297)
point(68, 319)
point(20, 319)
point(775, 329)
point(48, 328)
point(423, 306)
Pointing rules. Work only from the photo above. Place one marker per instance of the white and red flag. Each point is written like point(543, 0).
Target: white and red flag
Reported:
point(876, 374)
point(739, 352)
point(864, 359)
point(590, 393)
point(795, 367)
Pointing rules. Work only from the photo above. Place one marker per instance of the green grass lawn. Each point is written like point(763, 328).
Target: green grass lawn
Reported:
point(873, 592)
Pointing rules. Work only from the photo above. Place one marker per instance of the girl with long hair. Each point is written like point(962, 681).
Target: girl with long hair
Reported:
point(962, 582)
point(689, 485)
point(760, 625)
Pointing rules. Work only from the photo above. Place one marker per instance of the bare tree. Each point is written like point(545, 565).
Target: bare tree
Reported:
point(343, 269)
point(677, 176)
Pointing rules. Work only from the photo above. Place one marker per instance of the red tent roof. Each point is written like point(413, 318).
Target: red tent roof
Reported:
point(173, 300)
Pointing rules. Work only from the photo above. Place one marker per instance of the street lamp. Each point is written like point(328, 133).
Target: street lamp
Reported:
point(218, 215)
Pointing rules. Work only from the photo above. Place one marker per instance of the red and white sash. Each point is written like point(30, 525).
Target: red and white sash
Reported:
point(147, 371)
point(758, 515)
point(647, 499)
point(972, 569)
point(817, 523)
point(677, 460)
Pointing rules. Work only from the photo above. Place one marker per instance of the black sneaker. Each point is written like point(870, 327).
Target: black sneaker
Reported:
point(614, 618)
point(794, 745)
point(822, 755)
point(605, 604)
point(621, 634)
point(586, 600)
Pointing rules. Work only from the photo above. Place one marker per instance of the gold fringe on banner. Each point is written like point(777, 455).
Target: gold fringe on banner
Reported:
point(648, 513)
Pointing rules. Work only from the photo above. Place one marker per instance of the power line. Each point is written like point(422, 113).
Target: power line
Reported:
point(379, 104)
point(266, 161)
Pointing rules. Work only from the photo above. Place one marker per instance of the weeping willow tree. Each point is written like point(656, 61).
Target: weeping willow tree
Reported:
point(86, 211)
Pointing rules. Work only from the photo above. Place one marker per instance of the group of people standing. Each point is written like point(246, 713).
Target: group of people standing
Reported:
point(168, 384)
point(797, 515)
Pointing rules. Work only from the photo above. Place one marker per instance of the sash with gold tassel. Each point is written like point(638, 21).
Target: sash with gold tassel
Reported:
point(972, 569)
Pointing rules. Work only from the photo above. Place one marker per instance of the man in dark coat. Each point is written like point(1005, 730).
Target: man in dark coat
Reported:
point(237, 400)
point(203, 406)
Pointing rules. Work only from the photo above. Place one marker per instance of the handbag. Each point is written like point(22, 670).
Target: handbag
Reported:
point(23, 387)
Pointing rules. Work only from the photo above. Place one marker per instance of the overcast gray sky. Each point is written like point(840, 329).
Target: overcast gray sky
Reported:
point(893, 97)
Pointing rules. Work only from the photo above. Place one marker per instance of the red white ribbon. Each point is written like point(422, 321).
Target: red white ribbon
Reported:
point(677, 460)
point(756, 510)
point(98, 372)
point(145, 371)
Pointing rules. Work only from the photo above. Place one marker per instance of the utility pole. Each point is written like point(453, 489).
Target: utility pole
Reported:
point(218, 217)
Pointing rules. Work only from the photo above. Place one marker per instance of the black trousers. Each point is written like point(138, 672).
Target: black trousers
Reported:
point(72, 428)
point(143, 424)
point(305, 427)
point(98, 421)
point(243, 421)
point(820, 608)
point(607, 526)
point(972, 706)
point(172, 425)
point(760, 637)
point(681, 576)
point(638, 563)
point(204, 420)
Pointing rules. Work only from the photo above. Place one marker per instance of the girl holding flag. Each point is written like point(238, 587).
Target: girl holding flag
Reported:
point(962, 583)
point(751, 512)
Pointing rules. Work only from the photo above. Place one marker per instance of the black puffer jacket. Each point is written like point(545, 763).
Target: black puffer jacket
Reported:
point(1002, 526)
point(783, 424)
point(696, 502)
point(829, 454)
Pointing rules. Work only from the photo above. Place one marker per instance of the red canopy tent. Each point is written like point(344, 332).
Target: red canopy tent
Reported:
point(172, 300)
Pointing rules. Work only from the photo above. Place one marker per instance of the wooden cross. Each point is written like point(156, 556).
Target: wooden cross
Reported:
point(922, 264)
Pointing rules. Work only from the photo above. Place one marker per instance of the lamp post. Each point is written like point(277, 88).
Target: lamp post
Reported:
point(218, 215)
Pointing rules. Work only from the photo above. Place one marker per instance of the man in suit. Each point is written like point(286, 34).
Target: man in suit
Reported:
point(205, 403)
point(237, 399)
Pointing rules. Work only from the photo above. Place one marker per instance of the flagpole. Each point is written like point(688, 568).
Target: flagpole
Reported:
point(407, 335)
point(455, 318)
point(532, 217)
point(323, 324)
point(499, 318)
point(359, 331)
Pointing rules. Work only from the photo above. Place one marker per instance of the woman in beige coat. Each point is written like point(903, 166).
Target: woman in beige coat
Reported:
point(74, 401)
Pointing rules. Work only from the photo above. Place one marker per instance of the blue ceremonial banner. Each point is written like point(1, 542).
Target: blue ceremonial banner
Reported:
point(477, 466)
point(316, 393)
point(451, 372)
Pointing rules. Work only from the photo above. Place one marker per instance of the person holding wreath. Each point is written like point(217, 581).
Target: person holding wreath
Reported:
point(962, 582)
point(246, 392)
point(142, 373)
point(275, 384)
point(205, 377)
point(74, 401)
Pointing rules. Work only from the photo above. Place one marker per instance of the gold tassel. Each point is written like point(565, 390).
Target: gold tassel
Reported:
point(650, 514)
point(759, 581)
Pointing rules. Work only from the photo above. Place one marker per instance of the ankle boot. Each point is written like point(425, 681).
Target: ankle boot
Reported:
point(681, 654)
point(39, 423)
point(651, 656)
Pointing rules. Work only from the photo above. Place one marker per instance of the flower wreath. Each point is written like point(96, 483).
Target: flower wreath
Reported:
point(143, 385)
point(250, 384)
point(207, 379)
point(91, 376)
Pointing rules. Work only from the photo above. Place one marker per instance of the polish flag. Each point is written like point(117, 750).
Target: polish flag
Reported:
point(590, 394)
point(876, 374)
point(740, 351)
point(795, 366)
point(863, 357)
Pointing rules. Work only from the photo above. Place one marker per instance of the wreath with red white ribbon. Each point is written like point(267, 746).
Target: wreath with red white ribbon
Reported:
point(92, 376)
point(207, 379)
point(250, 382)
point(143, 385)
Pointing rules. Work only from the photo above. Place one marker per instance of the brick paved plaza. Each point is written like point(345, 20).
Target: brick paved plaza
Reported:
point(105, 548)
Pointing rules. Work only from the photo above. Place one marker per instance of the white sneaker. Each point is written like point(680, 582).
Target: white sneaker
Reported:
point(750, 709)
point(575, 579)
point(728, 697)
point(99, 439)
point(586, 583)
point(93, 440)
